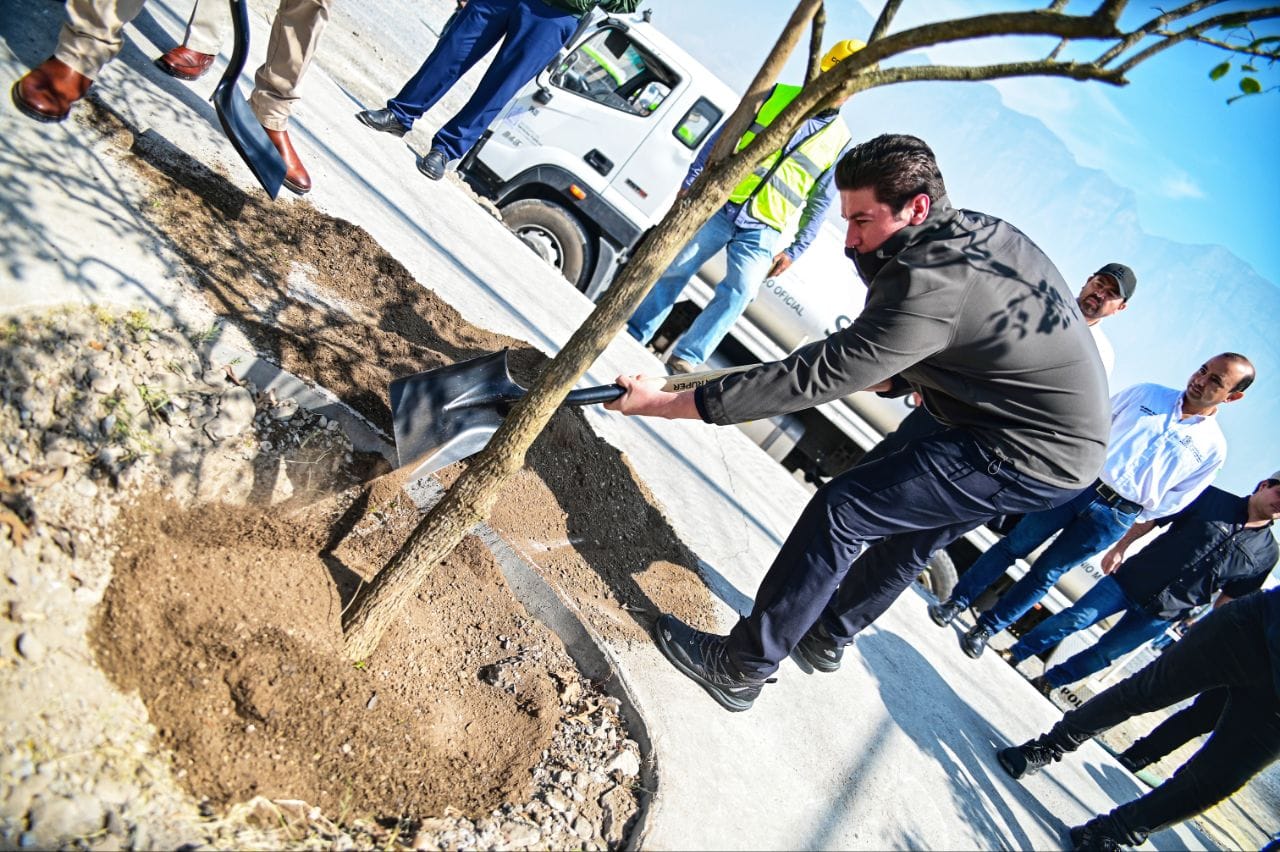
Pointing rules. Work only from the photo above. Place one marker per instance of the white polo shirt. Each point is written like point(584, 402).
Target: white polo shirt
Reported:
point(1105, 351)
point(1157, 458)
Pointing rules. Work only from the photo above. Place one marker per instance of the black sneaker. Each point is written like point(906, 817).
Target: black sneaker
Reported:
point(944, 613)
point(1028, 758)
point(1099, 834)
point(973, 642)
point(382, 120)
point(432, 165)
point(702, 657)
point(819, 650)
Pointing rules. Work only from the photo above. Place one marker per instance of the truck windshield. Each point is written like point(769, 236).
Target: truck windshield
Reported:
point(613, 70)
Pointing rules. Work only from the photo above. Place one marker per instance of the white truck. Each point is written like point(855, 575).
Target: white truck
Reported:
point(588, 157)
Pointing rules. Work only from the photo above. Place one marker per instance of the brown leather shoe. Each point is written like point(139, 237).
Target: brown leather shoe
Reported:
point(47, 91)
point(295, 174)
point(184, 63)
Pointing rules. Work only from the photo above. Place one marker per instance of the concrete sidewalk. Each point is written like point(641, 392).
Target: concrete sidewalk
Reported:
point(897, 750)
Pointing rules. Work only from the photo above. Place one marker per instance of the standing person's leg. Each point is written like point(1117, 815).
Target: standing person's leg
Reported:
point(649, 315)
point(1180, 728)
point(1031, 532)
point(1245, 741)
point(295, 33)
point(536, 31)
point(1106, 598)
point(194, 56)
point(91, 37)
point(1135, 628)
point(926, 492)
point(750, 253)
point(479, 26)
point(918, 424)
point(1095, 528)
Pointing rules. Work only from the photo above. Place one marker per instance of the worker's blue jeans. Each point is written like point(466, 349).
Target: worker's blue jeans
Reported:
point(865, 535)
point(531, 32)
point(750, 254)
point(1088, 526)
point(1106, 598)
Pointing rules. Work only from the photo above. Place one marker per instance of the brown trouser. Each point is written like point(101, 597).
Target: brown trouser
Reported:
point(92, 37)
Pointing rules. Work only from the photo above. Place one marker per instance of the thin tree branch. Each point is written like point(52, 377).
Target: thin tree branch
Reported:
point(1150, 27)
point(1192, 32)
point(815, 45)
point(1241, 49)
point(1110, 10)
point(883, 22)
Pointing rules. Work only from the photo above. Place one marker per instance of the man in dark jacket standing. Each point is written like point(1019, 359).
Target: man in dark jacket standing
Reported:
point(963, 309)
point(1237, 647)
point(531, 31)
point(1220, 542)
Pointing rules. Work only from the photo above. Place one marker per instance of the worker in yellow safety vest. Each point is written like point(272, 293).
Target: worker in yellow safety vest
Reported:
point(792, 186)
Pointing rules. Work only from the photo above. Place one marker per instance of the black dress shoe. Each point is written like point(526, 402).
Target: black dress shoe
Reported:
point(432, 165)
point(382, 120)
point(975, 641)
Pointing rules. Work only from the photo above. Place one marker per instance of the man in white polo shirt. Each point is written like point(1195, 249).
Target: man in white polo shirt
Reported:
point(1165, 448)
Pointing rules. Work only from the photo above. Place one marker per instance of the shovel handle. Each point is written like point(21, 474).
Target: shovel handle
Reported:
point(674, 384)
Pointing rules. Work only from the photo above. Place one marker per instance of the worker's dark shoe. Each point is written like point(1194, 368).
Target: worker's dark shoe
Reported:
point(819, 650)
point(184, 63)
point(432, 165)
point(295, 174)
point(680, 365)
point(1030, 757)
point(944, 613)
point(702, 657)
point(1099, 834)
point(47, 91)
point(1129, 763)
point(382, 120)
point(973, 642)
point(1043, 686)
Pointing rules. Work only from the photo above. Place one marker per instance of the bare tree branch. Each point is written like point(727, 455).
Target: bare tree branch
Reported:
point(815, 45)
point(1109, 11)
point(883, 22)
point(1193, 32)
point(1150, 27)
point(1243, 50)
point(759, 89)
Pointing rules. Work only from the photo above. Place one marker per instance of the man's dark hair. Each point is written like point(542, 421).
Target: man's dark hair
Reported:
point(1243, 384)
point(897, 167)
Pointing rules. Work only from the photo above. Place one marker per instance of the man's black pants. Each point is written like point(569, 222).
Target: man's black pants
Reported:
point(1227, 649)
point(888, 516)
point(1180, 728)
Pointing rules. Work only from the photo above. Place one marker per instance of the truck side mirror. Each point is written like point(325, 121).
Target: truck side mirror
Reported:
point(543, 95)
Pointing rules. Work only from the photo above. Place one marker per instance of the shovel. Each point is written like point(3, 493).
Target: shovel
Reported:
point(443, 415)
point(242, 127)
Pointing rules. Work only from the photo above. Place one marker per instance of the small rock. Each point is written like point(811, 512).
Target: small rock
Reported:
point(86, 488)
point(56, 819)
point(520, 834)
point(556, 802)
point(31, 648)
point(372, 702)
point(285, 409)
point(59, 458)
point(583, 829)
point(624, 761)
point(346, 748)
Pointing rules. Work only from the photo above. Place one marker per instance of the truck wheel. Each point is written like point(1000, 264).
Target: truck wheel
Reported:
point(553, 233)
point(940, 576)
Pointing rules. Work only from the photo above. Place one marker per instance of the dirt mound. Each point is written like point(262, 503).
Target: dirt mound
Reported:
point(226, 620)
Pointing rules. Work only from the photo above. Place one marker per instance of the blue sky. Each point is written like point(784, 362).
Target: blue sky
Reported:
point(1192, 170)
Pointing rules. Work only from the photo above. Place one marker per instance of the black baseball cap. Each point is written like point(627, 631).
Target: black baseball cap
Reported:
point(1124, 278)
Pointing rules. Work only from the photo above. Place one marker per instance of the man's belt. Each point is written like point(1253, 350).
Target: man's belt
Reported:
point(1112, 498)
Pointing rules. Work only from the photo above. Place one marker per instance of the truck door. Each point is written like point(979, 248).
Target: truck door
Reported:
point(612, 106)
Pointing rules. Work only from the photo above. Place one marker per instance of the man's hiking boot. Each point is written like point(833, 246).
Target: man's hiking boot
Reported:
point(973, 642)
point(1030, 757)
point(944, 613)
point(1100, 834)
point(819, 650)
point(702, 657)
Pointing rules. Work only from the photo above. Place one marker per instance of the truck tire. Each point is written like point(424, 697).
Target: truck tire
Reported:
point(939, 577)
point(553, 233)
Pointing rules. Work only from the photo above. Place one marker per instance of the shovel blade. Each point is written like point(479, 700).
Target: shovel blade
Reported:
point(248, 137)
point(443, 415)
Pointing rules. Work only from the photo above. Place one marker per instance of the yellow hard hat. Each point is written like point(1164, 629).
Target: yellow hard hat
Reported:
point(840, 52)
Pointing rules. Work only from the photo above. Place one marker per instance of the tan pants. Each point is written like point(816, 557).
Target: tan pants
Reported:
point(92, 37)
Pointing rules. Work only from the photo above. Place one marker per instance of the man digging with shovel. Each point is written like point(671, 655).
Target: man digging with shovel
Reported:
point(961, 308)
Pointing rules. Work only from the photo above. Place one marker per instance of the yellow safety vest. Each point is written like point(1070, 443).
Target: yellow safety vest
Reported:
point(782, 197)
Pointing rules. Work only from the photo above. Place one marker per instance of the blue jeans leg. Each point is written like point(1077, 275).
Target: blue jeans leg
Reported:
point(1031, 532)
point(710, 238)
point(472, 33)
point(536, 30)
point(750, 253)
point(1135, 627)
point(1105, 599)
point(1094, 528)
